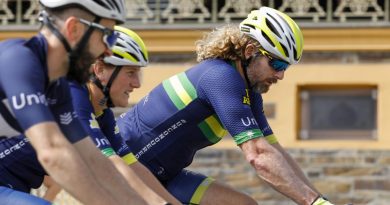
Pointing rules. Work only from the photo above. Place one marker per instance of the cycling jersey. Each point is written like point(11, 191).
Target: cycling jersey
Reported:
point(28, 98)
point(101, 127)
point(190, 111)
point(11, 197)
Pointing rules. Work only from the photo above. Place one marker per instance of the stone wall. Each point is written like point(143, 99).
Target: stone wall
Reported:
point(357, 176)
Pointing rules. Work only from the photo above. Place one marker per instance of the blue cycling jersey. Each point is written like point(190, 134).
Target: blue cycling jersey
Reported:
point(11, 197)
point(101, 127)
point(190, 111)
point(28, 98)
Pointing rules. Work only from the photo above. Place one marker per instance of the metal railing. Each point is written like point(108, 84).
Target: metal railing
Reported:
point(166, 14)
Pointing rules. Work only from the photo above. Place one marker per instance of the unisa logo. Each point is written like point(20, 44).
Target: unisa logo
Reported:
point(19, 102)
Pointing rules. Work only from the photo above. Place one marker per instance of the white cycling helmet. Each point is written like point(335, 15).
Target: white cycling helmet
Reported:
point(276, 32)
point(110, 9)
point(129, 49)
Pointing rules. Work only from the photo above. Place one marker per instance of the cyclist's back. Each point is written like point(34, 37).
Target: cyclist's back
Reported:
point(187, 113)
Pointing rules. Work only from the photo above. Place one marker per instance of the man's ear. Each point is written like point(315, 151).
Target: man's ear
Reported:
point(249, 50)
point(98, 69)
point(73, 30)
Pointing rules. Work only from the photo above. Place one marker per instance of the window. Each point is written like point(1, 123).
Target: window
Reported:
point(338, 112)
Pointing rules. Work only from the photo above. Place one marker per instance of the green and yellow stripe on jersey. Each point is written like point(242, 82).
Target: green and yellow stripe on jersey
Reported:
point(180, 90)
point(247, 135)
point(129, 158)
point(212, 128)
point(201, 190)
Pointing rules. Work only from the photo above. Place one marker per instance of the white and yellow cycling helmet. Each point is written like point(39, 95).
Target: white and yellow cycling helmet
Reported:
point(276, 32)
point(129, 49)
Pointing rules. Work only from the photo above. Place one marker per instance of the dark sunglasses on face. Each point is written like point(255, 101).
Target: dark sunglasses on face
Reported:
point(276, 64)
point(109, 36)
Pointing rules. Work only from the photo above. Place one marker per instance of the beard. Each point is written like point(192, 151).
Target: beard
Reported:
point(260, 88)
point(80, 72)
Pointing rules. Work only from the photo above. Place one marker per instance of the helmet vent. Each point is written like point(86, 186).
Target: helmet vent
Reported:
point(277, 22)
point(114, 5)
point(289, 44)
point(295, 54)
point(292, 38)
point(251, 26)
point(285, 50)
point(120, 44)
point(134, 56)
point(143, 56)
point(273, 29)
point(267, 38)
point(117, 55)
point(285, 22)
point(101, 3)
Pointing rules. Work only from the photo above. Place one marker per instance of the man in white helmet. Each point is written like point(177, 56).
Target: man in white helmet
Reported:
point(36, 103)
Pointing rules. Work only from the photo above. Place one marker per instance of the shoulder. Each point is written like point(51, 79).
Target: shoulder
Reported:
point(218, 69)
point(18, 58)
point(79, 92)
point(16, 49)
point(218, 73)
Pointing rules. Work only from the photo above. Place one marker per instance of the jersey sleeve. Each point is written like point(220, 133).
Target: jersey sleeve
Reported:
point(23, 81)
point(84, 110)
point(111, 129)
point(224, 89)
point(258, 111)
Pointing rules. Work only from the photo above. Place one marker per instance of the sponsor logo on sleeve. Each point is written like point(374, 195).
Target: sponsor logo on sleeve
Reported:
point(102, 142)
point(23, 100)
point(248, 121)
point(93, 123)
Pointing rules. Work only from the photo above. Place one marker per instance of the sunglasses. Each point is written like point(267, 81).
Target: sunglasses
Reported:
point(277, 64)
point(109, 36)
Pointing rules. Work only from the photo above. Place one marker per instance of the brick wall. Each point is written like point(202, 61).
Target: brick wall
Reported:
point(360, 177)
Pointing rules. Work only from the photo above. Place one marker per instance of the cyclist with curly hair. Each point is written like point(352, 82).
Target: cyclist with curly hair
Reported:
point(222, 93)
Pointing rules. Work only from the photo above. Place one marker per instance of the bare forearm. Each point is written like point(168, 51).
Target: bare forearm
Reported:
point(271, 166)
point(63, 163)
point(298, 171)
point(109, 176)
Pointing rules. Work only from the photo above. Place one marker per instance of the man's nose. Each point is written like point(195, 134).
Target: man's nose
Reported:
point(280, 74)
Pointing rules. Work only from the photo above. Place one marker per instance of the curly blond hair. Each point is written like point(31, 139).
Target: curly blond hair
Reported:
point(226, 42)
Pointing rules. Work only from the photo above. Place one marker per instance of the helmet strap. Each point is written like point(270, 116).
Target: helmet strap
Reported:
point(73, 54)
point(106, 89)
point(103, 88)
point(44, 17)
point(245, 64)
